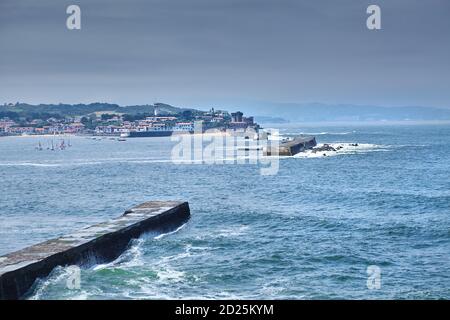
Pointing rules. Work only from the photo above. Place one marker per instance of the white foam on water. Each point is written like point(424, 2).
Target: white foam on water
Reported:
point(345, 149)
point(168, 278)
point(132, 257)
point(165, 260)
point(28, 164)
point(271, 291)
point(232, 232)
point(57, 276)
point(166, 270)
point(82, 163)
point(83, 295)
point(169, 274)
point(162, 235)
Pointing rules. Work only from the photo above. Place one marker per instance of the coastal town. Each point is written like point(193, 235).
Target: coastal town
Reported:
point(156, 122)
point(100, 120)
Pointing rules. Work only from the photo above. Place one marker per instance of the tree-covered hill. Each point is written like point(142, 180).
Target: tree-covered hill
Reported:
point(27, 110)
point(45, 111)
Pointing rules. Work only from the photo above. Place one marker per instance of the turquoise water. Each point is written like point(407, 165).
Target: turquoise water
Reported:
point(309, 232)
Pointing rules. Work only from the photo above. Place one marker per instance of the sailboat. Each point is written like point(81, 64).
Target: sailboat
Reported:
point(39, 146)
point(62, 146)
point(53, 145)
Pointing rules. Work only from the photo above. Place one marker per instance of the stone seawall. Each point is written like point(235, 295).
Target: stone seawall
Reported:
point(292, 147)
point(104, 241)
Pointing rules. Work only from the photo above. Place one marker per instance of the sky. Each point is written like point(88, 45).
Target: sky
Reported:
point(200, 53)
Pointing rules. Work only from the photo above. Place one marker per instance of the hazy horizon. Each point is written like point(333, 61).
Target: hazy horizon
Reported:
point(313, 112)
point(244, 104)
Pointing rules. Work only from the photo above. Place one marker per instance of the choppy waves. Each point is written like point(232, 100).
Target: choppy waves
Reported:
point(308, 232)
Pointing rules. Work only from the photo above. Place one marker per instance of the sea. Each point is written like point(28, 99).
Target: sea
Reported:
point(368, 221)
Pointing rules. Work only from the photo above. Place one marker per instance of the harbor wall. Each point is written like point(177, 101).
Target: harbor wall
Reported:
point(101, 243)
point(292, 147)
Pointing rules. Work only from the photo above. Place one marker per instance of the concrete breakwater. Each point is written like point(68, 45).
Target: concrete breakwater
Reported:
point(292, 147)
point(104, 242)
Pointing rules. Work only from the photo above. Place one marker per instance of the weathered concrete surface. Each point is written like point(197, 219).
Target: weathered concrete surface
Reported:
point(292, 147)
point(104, 242)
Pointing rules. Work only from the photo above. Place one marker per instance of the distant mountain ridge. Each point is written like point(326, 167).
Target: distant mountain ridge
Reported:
point(344, 112)
point(263, 112)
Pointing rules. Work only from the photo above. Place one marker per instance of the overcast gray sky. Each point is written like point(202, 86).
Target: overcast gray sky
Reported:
point(213, 52)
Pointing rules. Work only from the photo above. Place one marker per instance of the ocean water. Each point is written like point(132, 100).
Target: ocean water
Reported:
point(308, 232)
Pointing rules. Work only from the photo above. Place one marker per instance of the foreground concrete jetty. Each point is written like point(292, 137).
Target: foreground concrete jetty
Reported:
point(95, 244)
point(292, 147)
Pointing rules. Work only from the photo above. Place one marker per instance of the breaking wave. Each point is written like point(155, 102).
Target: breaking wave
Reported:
point(341, 149)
